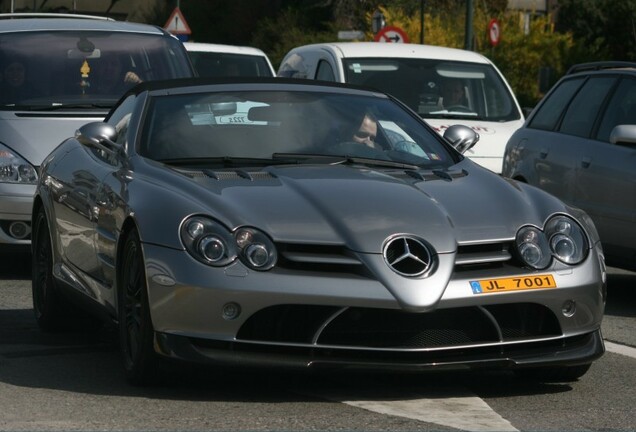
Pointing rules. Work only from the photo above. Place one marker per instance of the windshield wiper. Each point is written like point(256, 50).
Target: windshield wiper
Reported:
point(344, 160)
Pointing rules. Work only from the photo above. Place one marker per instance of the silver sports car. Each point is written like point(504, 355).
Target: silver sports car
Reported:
point(290, 223)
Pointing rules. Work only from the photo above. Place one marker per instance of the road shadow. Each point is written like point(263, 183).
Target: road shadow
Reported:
point(15, 265)
point(621, 293)
point(88, 362)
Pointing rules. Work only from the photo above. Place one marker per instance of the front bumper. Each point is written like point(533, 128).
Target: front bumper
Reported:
point(568, 351)
point(16, 202)
point(311, 319)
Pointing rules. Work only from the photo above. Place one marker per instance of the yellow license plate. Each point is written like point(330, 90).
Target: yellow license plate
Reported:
point(487, 286)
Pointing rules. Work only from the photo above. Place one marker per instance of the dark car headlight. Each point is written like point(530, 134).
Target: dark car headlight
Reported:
point(561, 238)
point(211, 243)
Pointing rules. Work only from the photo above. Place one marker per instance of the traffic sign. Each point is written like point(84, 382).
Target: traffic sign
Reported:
point(177, 23)
point(494, 32)
point(391, 34)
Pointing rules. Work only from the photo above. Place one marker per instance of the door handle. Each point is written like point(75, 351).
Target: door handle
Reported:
point(543, 153)
point(586, 161)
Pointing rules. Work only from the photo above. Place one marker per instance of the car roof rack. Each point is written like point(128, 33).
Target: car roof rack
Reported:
point(582, 67)
point(52, 15)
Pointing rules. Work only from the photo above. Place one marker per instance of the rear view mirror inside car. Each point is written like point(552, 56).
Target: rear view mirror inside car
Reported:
point(75, 53)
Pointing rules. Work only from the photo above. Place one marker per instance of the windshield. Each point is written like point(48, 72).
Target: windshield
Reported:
point(216, 64)
point(286, 126)
point(82, 69)
point(437, 88)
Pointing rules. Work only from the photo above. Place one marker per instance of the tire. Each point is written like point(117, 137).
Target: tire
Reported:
point(50, 312)
point(554, 374)
point(135, 325)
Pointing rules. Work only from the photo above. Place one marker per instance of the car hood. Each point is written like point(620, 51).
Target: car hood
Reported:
point(33, 135)
point(361, 207)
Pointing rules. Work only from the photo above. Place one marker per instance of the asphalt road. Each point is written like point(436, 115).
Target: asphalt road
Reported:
point(73, 382)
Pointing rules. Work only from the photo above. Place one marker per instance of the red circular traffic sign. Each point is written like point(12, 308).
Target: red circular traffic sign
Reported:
point(494, 32)
point(391, 34)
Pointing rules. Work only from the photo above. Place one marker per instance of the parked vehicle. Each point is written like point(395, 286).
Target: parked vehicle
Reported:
point(216, 60)
point(579, 144)
point(308, 236)
point(59, 72)
point(444, 86)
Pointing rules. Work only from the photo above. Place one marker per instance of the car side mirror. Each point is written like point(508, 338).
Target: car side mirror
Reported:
point(623, 134)
point(99, 135)
point(461, 137)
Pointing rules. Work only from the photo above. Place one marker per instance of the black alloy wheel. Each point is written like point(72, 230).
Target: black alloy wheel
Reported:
point(135, 326)
point(50, 313)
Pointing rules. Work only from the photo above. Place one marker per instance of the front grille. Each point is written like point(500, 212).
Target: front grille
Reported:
point(328, 326)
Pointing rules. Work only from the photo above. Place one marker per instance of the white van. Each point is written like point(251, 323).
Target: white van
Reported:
point(427, 79)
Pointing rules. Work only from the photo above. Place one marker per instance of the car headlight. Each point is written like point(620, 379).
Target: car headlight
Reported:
point(567, 240)
point(256, 249)
point(211, 243)
point(14, 169)
point(561, 238)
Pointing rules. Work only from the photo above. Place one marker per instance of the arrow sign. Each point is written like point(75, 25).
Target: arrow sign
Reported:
point(391, 34)
point(177, 23)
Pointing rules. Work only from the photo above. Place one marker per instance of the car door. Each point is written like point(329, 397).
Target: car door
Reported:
point(548, 154)
point(606, 173)
point(78, 177)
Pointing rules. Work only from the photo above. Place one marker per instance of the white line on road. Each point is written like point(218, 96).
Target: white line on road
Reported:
point(452, 407)
point(468, 413)
point(620, 349)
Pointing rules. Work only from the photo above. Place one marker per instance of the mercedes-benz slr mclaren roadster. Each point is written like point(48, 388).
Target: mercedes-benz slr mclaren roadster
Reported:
point(288, 223)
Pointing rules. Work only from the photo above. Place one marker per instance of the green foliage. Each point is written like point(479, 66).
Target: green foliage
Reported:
point(288, 30)
point(519, 56)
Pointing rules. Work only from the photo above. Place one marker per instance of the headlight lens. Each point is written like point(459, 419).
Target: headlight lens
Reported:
point(208, 241)
point(14, 169)
point(533, 247)
point(567, 240)
point(561, 238)
point(211, 243)
point(257, 250)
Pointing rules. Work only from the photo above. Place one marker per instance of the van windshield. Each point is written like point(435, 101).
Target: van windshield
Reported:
point(437, 88)
point(45, 70)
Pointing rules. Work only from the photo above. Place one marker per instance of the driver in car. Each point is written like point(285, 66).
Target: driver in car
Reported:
point(453, 94)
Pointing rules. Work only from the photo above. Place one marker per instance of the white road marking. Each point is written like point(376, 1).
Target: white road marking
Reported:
point(620, 349)
point(464, 413)
point(452, 407)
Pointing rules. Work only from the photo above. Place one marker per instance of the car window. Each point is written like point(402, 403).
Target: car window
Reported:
point(293, 66)
point(583, 111)
point(621, 109)
point(325, 71)
point(218, 64)
point(83, 67)
point(551, 110)
point(261, 124)
point(421, 84)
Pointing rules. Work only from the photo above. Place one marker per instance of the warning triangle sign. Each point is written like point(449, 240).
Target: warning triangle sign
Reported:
point(177, 24)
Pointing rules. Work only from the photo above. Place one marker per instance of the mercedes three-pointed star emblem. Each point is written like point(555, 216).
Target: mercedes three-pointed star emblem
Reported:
point(407, 255)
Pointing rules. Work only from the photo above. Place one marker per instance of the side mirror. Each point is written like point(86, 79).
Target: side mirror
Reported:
point(461, 137)
point(99, 135)
point(623, 134)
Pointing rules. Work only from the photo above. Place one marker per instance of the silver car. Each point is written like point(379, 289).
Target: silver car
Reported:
point(59, 72)
point(579, 144)
point(308, 235)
